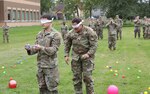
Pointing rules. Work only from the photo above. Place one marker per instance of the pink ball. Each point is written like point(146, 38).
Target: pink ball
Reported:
point(112, 89)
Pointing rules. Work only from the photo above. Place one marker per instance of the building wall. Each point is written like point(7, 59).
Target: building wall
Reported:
point(20, 12)
point(1, 11)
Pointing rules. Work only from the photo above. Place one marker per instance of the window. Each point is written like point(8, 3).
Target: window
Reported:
point(14, 15)
point(27, 15)
point(31, 15)
point(19, 15)
point(34, 16)
point(9, 15)
point(23, 13)
point(37, 16)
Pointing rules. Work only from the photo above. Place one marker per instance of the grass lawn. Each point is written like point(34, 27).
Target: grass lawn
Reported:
point(131, 59)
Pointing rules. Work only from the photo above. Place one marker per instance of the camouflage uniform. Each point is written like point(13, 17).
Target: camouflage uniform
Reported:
point(147, 30)
point(119, 28)
point(99, 28)
point(91, 24)
point(47, 74)
point(111, 35)
point(84, 42)
point(5, 33)
point(137, 24)
point(64, 31)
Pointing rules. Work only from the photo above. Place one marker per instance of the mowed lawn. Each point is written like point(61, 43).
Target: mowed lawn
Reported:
point(131, 59)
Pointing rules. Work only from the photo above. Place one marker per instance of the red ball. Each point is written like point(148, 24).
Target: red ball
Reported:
point(11, 78)
point(12, 84)
point(123, 76)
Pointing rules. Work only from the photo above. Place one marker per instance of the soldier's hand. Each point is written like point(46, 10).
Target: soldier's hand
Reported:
point(27, 46)
point(37, 47)
point(85, 56)
point(67, 60)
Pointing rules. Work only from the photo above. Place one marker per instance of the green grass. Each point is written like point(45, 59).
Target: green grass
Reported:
point(132, 55)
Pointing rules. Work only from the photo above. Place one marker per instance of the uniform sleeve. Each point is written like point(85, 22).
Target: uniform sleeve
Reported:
point(93, 43)
point(56, 41)
point(68, 44)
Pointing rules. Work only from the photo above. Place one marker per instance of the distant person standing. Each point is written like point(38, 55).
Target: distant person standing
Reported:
point(137, 24)
point(144, 24)
point(99, 27)
point(64, 30)
point(91, 23)
point(5, 32)
point(111, 25)
point(119, 27)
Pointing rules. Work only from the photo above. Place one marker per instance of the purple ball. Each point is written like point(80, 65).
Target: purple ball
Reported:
point(112, 89)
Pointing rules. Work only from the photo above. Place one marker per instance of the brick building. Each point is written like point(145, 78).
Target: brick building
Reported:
point(20, 12)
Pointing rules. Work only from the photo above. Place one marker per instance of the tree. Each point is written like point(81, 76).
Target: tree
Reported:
point(124, 8)
point(45, 6)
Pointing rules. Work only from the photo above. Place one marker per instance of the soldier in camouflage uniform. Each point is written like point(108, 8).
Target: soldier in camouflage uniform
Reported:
point(91, 23)
point(111, 25)
point(119, 28)
point(64, 30)
point(5, 33)
point(46, 46)
point(137, 24)
point(99, 28)
point(83, 41)
point(144, 24)
point(147, 29)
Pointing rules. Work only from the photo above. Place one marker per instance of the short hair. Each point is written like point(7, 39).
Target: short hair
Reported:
point(76, 20)
point(49, 17)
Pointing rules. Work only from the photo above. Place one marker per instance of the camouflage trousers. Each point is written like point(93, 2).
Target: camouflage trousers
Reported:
point(99, 33)
point(48, 80)
point(112, 42)
point(6, 38)
point(119, 33)
point(64, 34)
point(137, 31)
point(82, 70)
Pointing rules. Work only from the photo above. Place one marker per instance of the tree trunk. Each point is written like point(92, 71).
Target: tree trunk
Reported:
point(90, 12)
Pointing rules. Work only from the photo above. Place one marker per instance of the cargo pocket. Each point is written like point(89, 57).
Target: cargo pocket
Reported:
point(53, 63)
point(51, 78)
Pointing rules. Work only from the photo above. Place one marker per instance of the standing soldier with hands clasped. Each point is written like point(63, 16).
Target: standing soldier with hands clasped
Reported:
point(137, 26)
point(83, 41)
point(46, 46)
point(119, 27)
point(5, 32)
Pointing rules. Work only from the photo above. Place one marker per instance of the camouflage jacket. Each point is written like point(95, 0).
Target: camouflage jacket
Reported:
point(64, 29)
point(119, 22)
point(50, 42)
point(99, 24)
point(112, 28)
point(137, 23)
point(5, 28)
point(84, 42)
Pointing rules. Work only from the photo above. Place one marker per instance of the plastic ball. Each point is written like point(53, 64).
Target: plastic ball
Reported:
point(123, 76)
point(145, 92)
point(112, 89)
point(12, 84)
point(148, 88)
point(11, 78)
